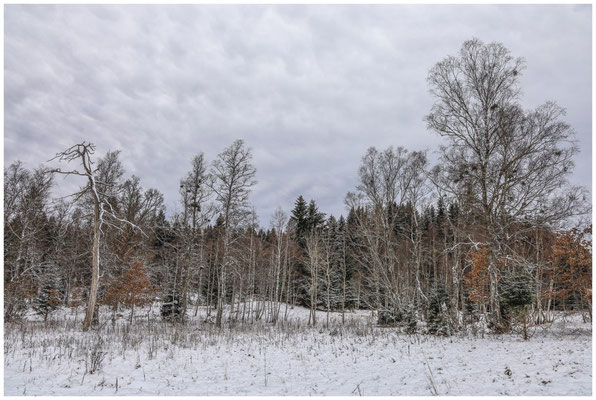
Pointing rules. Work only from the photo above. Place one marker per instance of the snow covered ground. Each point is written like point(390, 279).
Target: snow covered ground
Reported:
point(155, 358)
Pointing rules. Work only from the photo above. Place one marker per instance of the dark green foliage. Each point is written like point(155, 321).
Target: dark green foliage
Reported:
point(516, 294)
point(305, 219)
point(352, 244)
point(402, 221)
point(453, 213)
point(390, 316)
point(316, 219)
point(516, 290)
point(440, 212)
point(171, 307)
point(438, 318)
point(301, 227)
point(47, 300)
point(300, 221)
point(411, 319)
point(407, 317)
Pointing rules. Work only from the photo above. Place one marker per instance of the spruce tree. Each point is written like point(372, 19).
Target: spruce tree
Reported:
point(516, 294)
point(300, 220)
point(316, 219)
point(438, 319)
point(301, 226)
point(47, 299)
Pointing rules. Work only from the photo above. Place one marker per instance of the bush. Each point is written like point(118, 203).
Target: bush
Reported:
point(389, 316)
point(96, 356)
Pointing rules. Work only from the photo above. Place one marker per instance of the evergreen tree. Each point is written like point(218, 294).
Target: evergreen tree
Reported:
point(47, 299)
point(440, 211)
point(300, 221)
point(315, 218)
point(411, 319)
point(438, 318)
point(305, 219)
point(516, 294)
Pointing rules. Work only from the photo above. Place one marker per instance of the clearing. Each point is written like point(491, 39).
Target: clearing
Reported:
point(157, 358)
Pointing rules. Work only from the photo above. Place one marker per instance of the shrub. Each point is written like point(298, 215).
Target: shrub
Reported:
point(389, 316)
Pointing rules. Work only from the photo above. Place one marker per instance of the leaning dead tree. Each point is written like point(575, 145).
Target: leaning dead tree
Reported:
point(103, 212)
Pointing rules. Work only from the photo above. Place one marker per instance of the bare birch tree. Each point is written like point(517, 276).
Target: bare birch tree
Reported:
point(278, 222)
point(390, 181)
point(505, 164)
point(195, 190)
point(314, 252)
point(233, 178)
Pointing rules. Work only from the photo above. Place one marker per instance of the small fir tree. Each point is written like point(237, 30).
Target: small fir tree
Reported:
point(171, 307)
point(438, 319)
point(411, 319)
point(47, 300)
point(516, 294)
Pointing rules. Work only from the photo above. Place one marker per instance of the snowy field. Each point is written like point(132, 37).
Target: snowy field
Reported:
point(155, 358)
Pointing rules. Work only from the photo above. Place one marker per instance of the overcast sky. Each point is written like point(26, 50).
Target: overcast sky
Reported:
point(308, 88)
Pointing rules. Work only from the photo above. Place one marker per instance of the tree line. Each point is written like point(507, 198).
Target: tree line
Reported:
point(483, 236)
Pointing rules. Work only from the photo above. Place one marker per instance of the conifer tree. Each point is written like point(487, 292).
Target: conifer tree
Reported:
point(47, 300)
point(300, 221)
point(438, 318)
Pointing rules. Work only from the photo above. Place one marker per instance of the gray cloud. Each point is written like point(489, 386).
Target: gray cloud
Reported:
point(308, 88)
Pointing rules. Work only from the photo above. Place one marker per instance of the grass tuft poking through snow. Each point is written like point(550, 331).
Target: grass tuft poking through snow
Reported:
point(151, 357)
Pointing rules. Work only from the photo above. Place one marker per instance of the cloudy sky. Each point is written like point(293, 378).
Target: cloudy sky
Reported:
point(309, 88)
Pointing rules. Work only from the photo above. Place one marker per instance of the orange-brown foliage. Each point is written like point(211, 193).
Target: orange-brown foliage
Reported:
point(54, 298)
point(571, 259)
point(477, 279)
point(132, 288)
point(77, 297)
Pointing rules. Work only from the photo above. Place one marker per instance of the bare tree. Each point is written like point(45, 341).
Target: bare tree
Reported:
point(279, 223)
point(98, 191)
point(26, 206)
point(233, 175)
point(195, 190)
point(314, 251)
point(391, 181)
point(505, 164)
